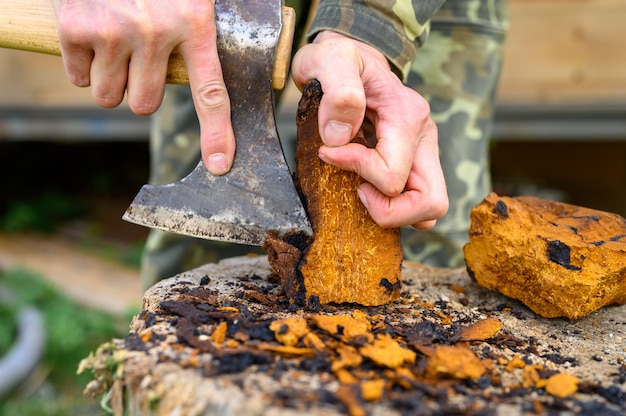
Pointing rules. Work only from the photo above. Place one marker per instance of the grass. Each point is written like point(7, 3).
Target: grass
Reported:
point(73, 331)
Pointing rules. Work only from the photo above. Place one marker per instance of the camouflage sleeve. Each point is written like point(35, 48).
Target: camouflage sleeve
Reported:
point(397, 28)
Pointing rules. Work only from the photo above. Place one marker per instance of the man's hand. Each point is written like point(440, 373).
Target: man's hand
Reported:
point(404, 181)
point(118, 46)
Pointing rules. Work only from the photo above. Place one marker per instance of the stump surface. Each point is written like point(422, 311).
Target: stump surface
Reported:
point(222, 340)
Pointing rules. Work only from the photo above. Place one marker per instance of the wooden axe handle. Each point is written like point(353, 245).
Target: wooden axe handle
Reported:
point(32, 26)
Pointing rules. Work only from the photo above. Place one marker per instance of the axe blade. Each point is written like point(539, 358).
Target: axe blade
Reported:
point(235, 208)
point(257, 195)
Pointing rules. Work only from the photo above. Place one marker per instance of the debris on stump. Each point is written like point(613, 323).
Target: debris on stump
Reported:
point(351, 259)
point(238, 347)
point(558, 259)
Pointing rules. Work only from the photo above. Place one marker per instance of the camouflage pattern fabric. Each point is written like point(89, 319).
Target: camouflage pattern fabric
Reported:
point(457, 70)
point(397, 28)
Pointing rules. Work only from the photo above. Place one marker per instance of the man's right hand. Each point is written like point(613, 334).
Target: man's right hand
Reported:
point(123, 46)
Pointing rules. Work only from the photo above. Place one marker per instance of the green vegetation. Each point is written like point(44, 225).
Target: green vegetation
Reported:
point(42, 213)
point(129, 255)
point(73, 332)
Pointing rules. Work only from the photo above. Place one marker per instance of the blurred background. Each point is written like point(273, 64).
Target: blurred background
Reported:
point(68, 170)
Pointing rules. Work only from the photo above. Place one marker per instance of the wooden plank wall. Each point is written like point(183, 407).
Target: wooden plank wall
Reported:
point(565, 52)
point(35, 80)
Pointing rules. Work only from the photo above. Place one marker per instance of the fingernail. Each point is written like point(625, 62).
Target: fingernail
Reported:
point(336, 133)
point(216, 164)
point(363, 198)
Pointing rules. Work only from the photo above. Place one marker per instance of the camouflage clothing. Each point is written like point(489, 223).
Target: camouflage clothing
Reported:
point(394, 27)
point(457, 70)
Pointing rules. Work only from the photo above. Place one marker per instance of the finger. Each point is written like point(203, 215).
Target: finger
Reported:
point(342, 107)
point(387, 166)
point(217, 140)
point(77, 64)
point(416, 208)
point(147, 77)
point(424, 200)
point(76, 48)
point(109, 74)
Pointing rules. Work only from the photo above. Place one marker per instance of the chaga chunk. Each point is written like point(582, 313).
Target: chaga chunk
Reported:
point(351, 259)
point(560, 260)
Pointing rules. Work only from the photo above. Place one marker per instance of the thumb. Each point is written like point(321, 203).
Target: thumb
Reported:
point(343, 104)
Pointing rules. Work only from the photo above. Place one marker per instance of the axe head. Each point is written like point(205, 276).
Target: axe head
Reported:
point(258, 194)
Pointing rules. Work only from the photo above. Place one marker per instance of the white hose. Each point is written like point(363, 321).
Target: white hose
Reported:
point(26, 352)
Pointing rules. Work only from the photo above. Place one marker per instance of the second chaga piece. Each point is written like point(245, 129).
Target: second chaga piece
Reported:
point(351, 259)
point(560, 260)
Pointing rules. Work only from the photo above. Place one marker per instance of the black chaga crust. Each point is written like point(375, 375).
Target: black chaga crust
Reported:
point(285, 255)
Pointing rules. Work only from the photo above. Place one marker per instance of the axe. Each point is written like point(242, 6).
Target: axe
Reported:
point(258, 194)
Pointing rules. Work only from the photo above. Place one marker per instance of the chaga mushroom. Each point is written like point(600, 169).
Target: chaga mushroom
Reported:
point(560, 260)
point(350, 258)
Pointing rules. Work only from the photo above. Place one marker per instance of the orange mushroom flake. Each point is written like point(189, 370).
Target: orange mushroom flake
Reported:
point(387, 352)
point(348, 357)
point(372, 390)
point(286, 350)
point(481, 330)
point(516, 362)
point(290, 330)
point(562, 385)
point(219, 333)
point(345, 325)
point(454, 361)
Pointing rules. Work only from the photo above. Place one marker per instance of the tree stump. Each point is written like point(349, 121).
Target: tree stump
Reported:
point(224, 340)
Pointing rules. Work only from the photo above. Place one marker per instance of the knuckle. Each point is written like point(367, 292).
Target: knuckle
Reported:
point(212, 95)
point(425, 225)
point(441, 207)
point(384, 219)
point(393, 185)
point(348, 99)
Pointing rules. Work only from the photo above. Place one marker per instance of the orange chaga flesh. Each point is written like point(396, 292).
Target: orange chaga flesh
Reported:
point(372, 390)
point(219, 333)
point(387, 352)
point(561, 385)
point(455, 361)
point(351, 258)
point(481, 330)
point(348, 357)
point(290, 330)
point(560, 260)
point(350, 326)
